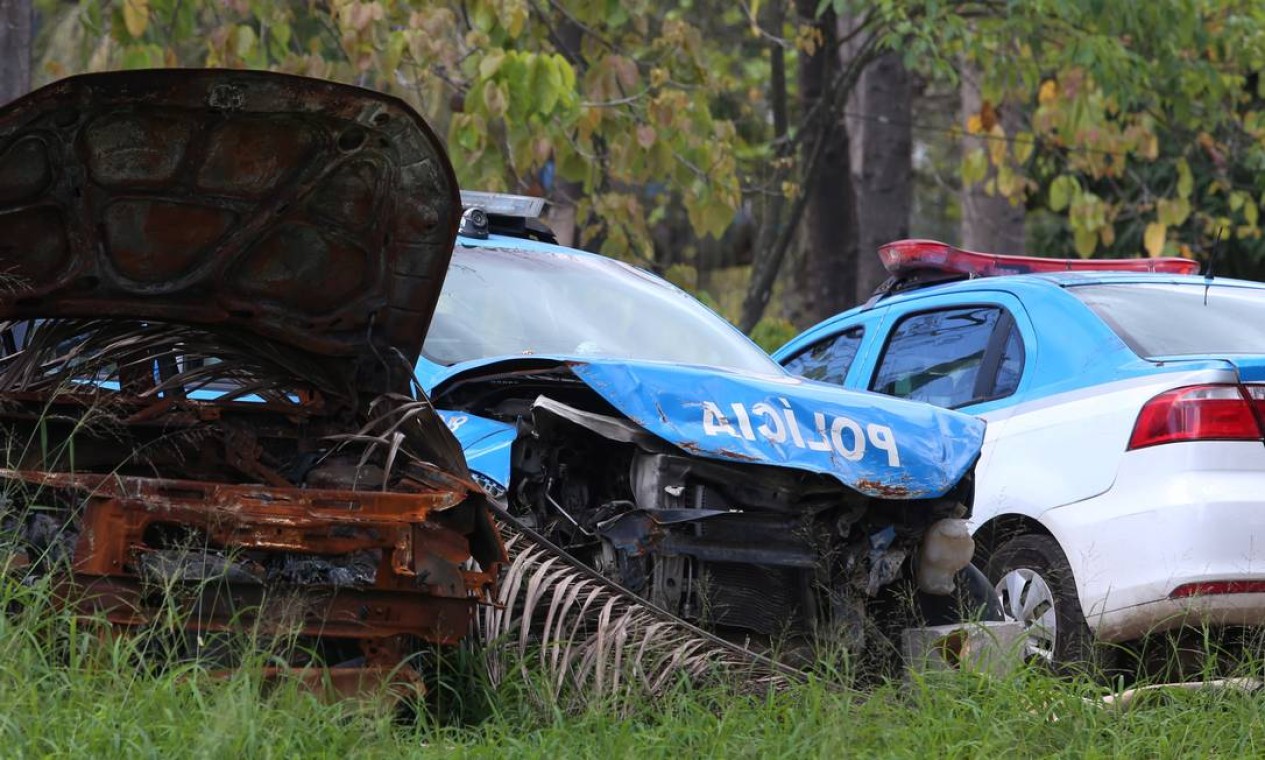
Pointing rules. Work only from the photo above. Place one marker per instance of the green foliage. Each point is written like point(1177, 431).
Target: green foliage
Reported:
point(1145, 117)
point(1145, 127)
point(771, 333)
point(618, 96)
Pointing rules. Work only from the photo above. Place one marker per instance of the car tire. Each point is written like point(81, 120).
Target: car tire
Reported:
point(1034, 580)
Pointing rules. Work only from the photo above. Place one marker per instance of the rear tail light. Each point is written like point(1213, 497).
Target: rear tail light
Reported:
point(1214, 588)
point(1201, 413)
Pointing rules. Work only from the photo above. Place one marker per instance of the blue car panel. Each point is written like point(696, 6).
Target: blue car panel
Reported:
point(486, 444)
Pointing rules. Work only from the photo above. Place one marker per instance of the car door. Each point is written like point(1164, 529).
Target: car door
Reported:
point(966, 355)
point(967, 351)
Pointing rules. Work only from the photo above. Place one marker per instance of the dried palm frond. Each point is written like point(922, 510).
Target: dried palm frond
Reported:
point(83, 353)
point(592, 640)
point(403, 429)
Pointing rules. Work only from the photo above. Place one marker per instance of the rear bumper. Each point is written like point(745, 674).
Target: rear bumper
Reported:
point(1176, 514)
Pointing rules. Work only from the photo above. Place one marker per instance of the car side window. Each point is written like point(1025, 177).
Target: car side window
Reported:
point(828, 360)
point(1010, 369)
point(952, 357)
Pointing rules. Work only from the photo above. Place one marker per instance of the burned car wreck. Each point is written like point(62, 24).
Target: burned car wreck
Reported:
point(620, 419)
point(213, 285)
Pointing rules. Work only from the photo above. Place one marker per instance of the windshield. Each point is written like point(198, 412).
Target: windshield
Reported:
point(1177, 320)
point(504, 302)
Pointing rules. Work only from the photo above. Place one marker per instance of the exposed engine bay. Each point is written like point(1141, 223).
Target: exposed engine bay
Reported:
point(754, 551)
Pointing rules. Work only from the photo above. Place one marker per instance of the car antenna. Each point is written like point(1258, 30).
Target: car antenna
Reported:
point(1210, 272)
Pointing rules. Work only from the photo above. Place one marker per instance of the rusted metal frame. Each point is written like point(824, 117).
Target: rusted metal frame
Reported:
point(312, 521)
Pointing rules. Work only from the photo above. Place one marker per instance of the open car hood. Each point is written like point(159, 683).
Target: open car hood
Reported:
point(313, 213)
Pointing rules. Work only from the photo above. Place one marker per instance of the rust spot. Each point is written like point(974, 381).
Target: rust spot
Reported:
point(885, 490)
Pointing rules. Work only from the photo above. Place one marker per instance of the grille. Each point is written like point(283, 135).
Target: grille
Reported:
point(758, 598)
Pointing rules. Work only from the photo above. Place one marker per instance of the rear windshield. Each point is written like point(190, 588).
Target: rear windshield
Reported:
point(1176, 320)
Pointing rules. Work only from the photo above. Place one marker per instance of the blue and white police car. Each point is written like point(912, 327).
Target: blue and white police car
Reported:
point(1121, 488)
point(626, 422)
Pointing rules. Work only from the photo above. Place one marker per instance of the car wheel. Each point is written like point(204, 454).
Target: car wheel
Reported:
point(1034, 580)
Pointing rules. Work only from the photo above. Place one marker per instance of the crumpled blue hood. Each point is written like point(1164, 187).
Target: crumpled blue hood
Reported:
point(878, 445)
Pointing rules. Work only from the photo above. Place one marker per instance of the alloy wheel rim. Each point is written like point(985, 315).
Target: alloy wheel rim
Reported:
point(1027, 598)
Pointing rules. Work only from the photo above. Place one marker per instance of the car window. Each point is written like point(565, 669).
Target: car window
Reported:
point(828, 360)
point(1011, 366)
point(952, 357)
point(1180, 319)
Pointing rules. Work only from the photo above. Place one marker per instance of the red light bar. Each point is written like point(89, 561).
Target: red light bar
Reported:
point(1214, 588)
point(905, 256)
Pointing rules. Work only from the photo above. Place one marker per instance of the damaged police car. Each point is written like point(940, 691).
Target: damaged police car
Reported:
point(630, 425)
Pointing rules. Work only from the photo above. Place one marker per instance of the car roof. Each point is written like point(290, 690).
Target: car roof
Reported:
point(1039, 284)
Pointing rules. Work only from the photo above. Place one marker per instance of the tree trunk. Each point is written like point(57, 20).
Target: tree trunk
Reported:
point(766, 256)
point(566, 194)
point(826, 278)
point(882, 164)
point(989, 223)
point(16, 22)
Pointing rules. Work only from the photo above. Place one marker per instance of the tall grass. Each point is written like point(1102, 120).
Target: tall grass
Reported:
point(65, 690)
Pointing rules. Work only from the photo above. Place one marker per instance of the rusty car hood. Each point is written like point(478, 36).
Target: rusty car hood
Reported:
point(312, 213)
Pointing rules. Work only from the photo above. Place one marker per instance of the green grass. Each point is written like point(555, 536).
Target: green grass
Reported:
point(65, 692)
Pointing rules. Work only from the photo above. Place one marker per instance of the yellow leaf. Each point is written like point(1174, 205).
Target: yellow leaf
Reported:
point(136, 16)
point(495, 99)
point(1153, 238)
point(1007, 183)
point(516, 19)
point(974, 124)
point(1084, 241)
point(997, 145)
point(1062, 191)
point(1023, 145)
point(1185, 179)
point(1048, 92)
point(974, 167)
point(1108, 235)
